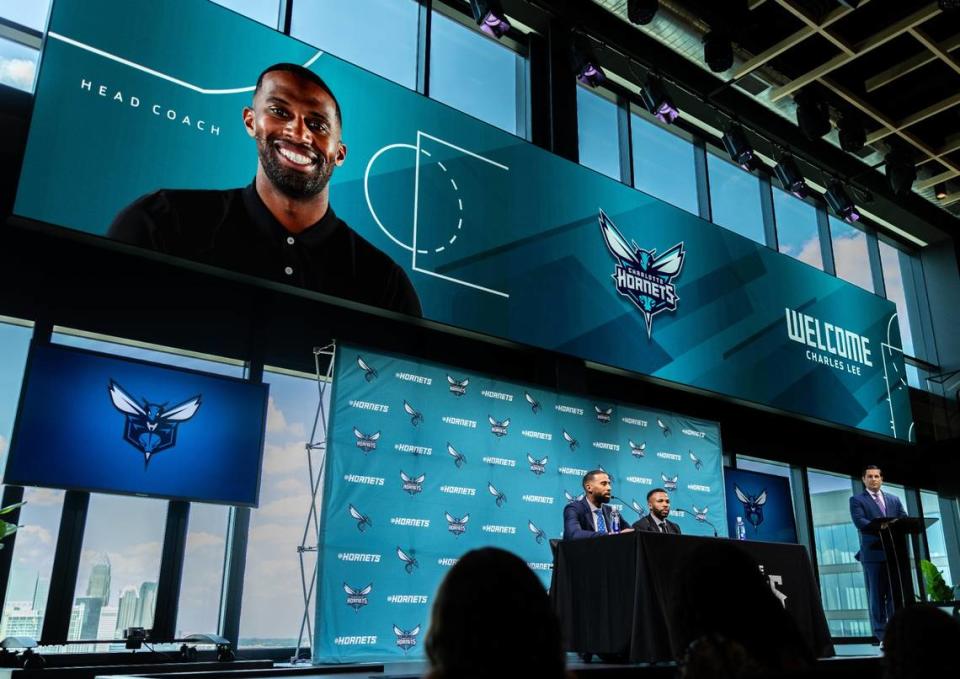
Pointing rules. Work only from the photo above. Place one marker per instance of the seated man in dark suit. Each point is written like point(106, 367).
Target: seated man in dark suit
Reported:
point(658, 501)
point(591, 516)
point(872, 504)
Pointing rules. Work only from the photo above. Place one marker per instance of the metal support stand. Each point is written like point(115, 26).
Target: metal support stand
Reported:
point(310, 541)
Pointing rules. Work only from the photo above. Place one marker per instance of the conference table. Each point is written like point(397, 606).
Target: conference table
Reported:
point(613, 594)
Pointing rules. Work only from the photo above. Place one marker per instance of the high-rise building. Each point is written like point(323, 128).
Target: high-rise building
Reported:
point(40, 592)
point(98, 584)
point(146, 604)
point(21, 622)
point(90, 616)
point(107, 629)
point(127, 611)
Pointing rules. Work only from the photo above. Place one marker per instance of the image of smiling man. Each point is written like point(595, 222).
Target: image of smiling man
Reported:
point(281, 226)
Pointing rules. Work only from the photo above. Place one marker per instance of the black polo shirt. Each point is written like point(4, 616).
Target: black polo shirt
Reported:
point(233, 229)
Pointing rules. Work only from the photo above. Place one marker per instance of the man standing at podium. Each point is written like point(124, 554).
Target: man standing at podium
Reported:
point(591, 516)
point(869, 505)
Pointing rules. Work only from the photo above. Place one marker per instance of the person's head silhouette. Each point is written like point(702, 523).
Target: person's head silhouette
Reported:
point(490, 613)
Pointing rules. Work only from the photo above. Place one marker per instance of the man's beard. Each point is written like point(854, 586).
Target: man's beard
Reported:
point(290, 182)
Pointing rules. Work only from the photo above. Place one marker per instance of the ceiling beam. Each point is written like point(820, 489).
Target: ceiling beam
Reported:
point(909, 65)
point(931, 44)
point(916, 117)
point(820, 30)
point(922, 184)
point(876, 40)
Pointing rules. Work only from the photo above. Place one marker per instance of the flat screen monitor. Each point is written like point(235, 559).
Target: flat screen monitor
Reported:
point(759, 506)
point(94, 422)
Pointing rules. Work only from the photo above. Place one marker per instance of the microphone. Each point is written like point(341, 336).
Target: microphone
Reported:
point(687, 511)
point(624, 502)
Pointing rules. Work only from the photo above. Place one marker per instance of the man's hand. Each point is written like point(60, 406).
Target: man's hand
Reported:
point(625, 530)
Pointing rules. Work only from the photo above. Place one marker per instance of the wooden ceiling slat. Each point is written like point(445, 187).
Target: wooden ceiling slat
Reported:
point(922, 184)
point(909, 65)
point(876, 40)
point(935, 49)
point(914, 118)
point(799, 13)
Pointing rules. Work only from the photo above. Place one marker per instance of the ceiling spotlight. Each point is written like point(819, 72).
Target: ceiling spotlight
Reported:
point(949, 5)
point(901, 172)
point(839, 201)
point(717, 51)
point(655, 99)
point(738, 148)
point(853, 136)
point(940, 190)
point(813, 115)
point(490, 16)
point(642, 11)
point(789, 176)
point(585, 64)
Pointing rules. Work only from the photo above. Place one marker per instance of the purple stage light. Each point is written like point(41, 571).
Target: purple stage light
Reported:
point(667, 112)
point(591, 74)
point(495, 25)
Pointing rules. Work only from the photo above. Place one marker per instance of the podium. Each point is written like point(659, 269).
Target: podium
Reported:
point(893, 534)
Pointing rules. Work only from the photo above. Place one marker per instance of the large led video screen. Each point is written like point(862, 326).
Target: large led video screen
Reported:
point(94, 422)
point(172, 146)
point(759, 506)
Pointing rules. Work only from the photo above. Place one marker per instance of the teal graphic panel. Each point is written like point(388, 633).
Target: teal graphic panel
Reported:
point(426, 462)
point(496, 235)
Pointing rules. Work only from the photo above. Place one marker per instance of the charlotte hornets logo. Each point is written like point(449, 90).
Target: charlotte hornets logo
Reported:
point(357, 598)
point(538, 534)
point(574, 444)
point(366, 442)
point(638, 508)
point(572, 498)
point(151, 427)
point(752, 505)
point(640, 275)
point(456, 526)
point(409, 561)
point(603, 414)
point(538, 467)
point(458, 459)
point(638, 450)
point(669, 483)
point(534, 403)
point(664, 429)
point(700, 514)
point(500, 497)
point(406, 639)
point(498, 428)
point(369, 374)
point(697, 462)
point(457, 388)
point(416, 417)
point(412, 484)
point(363, 521)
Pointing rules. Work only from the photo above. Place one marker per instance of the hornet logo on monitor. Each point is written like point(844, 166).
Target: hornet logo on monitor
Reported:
point(640, 275)
point(357, 598)
point(752, 505)
point(369, 374)
point(538, 467)
point(412, 484)
point(458, 387)
point(366, 442)
point(151, 427)
point(406, 639)
point(455, 525)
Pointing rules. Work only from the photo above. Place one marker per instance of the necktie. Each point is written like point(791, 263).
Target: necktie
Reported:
point(663, 528)
point(601, 524)
point(883, 505)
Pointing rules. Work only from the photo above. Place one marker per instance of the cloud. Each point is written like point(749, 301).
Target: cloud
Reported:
point(809, 252)
point(3, 444)
point(43, 497)
point(291, 486)
point(29, 534)
point(277, 422)
point(292, 507)
point(853, 262)
point(201, 539)
point(17, 72)
point(283, 459)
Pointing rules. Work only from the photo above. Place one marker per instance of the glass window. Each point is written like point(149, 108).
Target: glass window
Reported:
point(663, 164)
point(478, 75)
point(14, 345)
point(842, 587)
point(30, 13)
point(347, 28)
point(265, 11)
point(18, 65)
point(735, 198)
point(598, 132)
point(754, 464)
point(850, 255)
point(272, 598)
point(936, 541)
point(202, 570)
point(899, 282)
point(797, 233)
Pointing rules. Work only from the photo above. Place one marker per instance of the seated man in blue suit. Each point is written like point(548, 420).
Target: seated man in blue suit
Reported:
point(591, 516)
point(872, 504)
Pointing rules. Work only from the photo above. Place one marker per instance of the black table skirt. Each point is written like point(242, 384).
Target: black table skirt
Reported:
point(612, 594)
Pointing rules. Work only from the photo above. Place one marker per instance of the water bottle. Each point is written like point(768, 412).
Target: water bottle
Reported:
point(615, 521)
point(741, 529)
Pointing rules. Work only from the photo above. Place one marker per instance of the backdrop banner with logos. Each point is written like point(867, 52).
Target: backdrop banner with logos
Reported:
point(426, 462)
point(496, 235)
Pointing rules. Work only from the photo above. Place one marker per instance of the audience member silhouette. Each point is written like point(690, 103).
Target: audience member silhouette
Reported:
point(491, 617)
point(728, 620)
point(921, 641)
